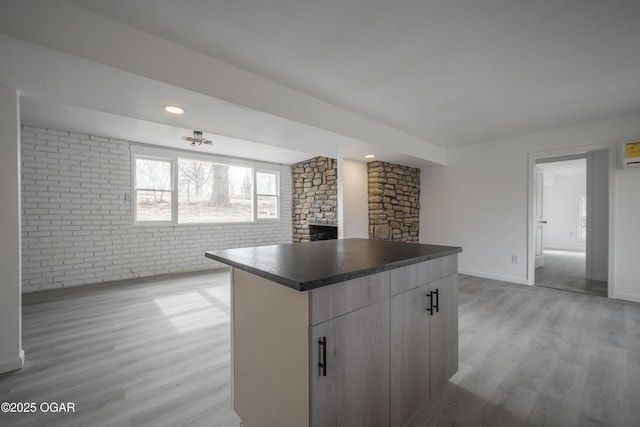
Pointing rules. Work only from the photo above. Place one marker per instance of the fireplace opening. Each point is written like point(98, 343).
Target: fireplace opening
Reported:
point(322, 232)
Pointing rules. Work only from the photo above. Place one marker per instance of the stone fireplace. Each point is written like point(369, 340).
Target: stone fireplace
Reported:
point(315, 199)
point(394, 202)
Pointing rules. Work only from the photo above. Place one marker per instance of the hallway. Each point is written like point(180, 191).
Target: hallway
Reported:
point(565, 270)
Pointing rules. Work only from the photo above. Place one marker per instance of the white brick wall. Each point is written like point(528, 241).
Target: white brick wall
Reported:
point(77, 227)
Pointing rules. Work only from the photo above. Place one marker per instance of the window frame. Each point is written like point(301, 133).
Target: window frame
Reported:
point(134, 192)
point(173, 156)
point(582, 203)
point(256, 195)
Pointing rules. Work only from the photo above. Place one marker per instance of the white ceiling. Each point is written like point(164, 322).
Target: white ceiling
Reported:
point(53, 115)
point(61, 91)
point(337, 78)
point(453, 72)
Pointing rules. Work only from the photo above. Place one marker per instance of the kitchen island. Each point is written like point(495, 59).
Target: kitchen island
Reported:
point(340, 332)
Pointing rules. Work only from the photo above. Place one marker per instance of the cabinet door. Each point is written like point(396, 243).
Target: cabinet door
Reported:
point(355, 390)
point(444, 331)
point(410, 353)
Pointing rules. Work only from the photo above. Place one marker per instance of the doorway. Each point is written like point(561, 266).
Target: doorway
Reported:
point(571, 222)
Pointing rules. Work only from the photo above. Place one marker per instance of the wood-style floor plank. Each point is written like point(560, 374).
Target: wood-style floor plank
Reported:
point(566, 270)
point(148, 352)
point(534, 356)
point(155, 352)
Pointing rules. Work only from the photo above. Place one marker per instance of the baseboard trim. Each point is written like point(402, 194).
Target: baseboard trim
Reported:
point(627, 297)
point(511, 279)
point(12, 364)
point(599, 278)
point(130, 280)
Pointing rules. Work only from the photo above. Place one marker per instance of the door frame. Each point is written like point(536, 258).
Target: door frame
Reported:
point(568, 154)
point(589, 185)
point(538, 216)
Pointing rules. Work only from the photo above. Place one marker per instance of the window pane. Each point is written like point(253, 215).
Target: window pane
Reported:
point(211, 192)
point(267, 207)
point(153, 174)
point(267, 183)
point(582, 231)
point(153, 205)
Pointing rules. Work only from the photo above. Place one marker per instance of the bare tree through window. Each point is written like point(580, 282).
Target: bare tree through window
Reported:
point(194, 176)
point(203, 191)
point(267, 195)
point(153, 190)
point(213, 192)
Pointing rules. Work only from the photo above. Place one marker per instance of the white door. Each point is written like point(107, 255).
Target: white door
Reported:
point(538, 215)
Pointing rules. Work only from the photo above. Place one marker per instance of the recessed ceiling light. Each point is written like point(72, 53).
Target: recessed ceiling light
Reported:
point(174, 109)
point(370, 156)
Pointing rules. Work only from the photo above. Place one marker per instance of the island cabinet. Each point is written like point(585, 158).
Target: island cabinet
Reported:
point(424, 333)
point(342, 334)
point(350, 342)
point(364, 352)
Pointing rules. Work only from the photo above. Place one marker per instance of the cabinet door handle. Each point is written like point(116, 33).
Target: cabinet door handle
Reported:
point(323, 357)
point(436, 299)
point(429, 302)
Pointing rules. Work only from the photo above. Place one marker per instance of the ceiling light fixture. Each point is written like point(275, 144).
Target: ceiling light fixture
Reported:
point(197, 139)
point(174, 109)
point(370, 156)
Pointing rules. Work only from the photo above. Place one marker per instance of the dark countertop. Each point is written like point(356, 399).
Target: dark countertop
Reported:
point(305, 266)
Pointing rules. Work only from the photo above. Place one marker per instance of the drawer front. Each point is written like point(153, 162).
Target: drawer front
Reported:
point(414, 275)
point(331, 301)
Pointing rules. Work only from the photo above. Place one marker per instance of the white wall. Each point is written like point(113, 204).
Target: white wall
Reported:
point(77, 227)
point(11, 353)
point(560, 210)
point(353, 201)
point(479, 201)
point(627, 234)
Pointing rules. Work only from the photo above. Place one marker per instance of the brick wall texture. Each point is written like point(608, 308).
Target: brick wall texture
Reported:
point(394, 202)
point(315, 195)
point(77, 225)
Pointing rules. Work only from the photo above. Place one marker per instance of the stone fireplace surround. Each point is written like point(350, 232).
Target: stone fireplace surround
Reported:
point(315, 195)
point(393, 196)
point(394, 202)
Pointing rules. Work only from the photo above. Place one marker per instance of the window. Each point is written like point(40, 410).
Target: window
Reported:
point(213, 192)
point(582, 217)
point(174, 189)
point(267, 195)
point(153, 189)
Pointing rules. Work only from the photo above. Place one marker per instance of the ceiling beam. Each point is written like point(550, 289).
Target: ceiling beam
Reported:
point(67, 28)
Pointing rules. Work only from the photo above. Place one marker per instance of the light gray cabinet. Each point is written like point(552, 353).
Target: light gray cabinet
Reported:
point(410, 353)
point(350, 369)
point(382, 352)
point(424, 341)
point(444, 331)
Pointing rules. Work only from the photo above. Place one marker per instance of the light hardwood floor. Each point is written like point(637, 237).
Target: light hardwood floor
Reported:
point(566, 270)
point(149, 352)
point(534, 356)
point(155, 352)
